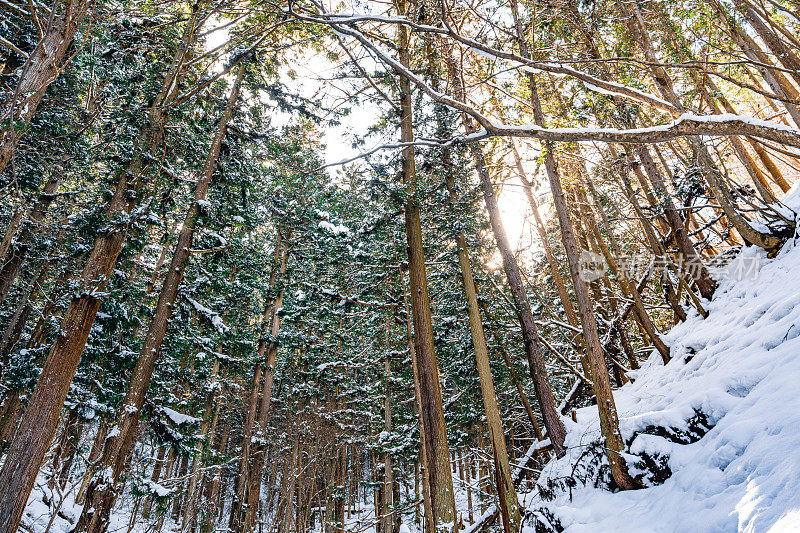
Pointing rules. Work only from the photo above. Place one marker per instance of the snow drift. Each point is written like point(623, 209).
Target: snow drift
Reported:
point(719, 425)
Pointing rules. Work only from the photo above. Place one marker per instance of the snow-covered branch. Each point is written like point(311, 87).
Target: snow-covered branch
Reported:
point(683, 125)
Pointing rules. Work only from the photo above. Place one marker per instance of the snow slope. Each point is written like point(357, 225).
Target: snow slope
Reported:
point(741, 368)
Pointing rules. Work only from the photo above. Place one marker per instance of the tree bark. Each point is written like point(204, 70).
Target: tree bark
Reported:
point(609, 421)
point(256, 470)
point(388, 473)
point(507, 495)
point(439, 474)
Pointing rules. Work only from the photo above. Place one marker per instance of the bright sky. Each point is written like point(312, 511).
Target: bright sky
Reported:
point(314, 69)
point(314, 80)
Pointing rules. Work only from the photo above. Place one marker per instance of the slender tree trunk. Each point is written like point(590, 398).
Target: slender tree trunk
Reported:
point(704, 283)
point(337, 499)
point(12, 263)
point(558, 281)
point(388, 474)
point(783, 53)
point(507, 495)
point(517, 383)
point(533, 351)
point(195, 479)
point(628, 288)
point(94, 455)
point(609, 421)
point(256, 469)
point(215, 487)
point(20, 317)
point(235, 522)
point(241, 492)
point(437, 452)
point(775, 79)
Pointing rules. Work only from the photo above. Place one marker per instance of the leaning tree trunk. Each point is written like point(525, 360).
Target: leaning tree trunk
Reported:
point(530, 336)
point(783, 53)
point(664, 82)
point(507, 495)
point(101, 493)
point(782, 87)
point(609, 420)
point(558, 281)
point(40, 70)
point(41, 417)
point(12, 263)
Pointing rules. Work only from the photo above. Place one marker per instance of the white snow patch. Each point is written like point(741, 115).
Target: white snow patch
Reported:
point(178, 418)
point(336, 229)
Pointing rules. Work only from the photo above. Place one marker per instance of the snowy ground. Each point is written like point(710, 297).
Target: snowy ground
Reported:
point(741, 368)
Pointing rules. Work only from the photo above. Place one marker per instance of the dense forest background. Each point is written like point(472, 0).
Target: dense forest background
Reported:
point(208, 324)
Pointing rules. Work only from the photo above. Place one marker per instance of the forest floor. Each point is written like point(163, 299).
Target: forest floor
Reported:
point(721, 422)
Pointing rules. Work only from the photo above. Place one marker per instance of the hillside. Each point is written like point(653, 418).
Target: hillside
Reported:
point(723, 418)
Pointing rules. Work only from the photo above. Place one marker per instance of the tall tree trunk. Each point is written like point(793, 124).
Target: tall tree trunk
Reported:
point(422, 464)
point(609, 421)
point(206, 428)
point(531, 343)
point(235, 522)
point(507, 495)
point(439, 474)
point(256, 470)
point(704, 283)
point(628, 288)
point(42, 67)
point(558, 281)
point(18, 320)
point(388, 474)
point(102, 491)
point(775, 79)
